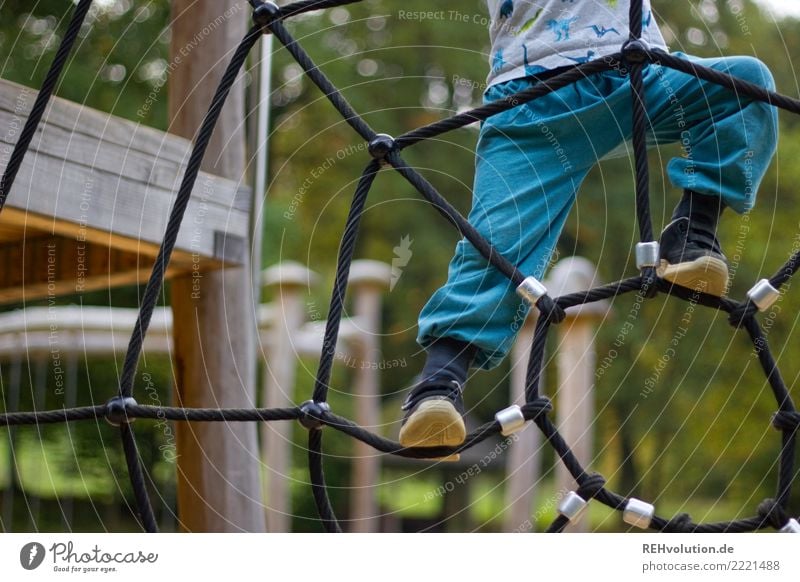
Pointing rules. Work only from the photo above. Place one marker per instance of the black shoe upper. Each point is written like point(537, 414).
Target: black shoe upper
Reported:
point(684, 240)
point(692, 234)
point(434, 388)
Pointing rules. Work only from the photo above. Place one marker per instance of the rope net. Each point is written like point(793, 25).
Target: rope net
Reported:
point(386, 151)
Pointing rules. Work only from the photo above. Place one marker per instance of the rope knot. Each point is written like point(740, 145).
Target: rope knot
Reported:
point(771, 511)
point(786, 421)
point(550, 310)
point(536, 408)
point(591, 486)
point(741, 313)
point(681, 523)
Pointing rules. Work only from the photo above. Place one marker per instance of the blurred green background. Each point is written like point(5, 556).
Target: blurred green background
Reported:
point(701, 442)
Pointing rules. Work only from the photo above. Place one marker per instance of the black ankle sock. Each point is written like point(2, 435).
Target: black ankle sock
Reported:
point(448, 359)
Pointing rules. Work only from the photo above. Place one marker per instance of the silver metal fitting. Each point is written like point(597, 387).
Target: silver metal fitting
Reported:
point(511, 420)
point(648, 254)
point(791, 527)
point(531, 290)
point(572, 506)
point(638, 513)
point(763, 294)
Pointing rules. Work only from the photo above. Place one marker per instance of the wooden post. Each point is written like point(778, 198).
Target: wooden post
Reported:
point(214, 324)
point(524, 462)
point(279, 378)
point(369, 281)
point(575, 357)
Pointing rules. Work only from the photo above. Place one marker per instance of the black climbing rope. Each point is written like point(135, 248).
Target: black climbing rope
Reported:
point(42, 99)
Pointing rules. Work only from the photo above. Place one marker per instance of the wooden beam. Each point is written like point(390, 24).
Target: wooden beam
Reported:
point(79, 330)
point(214, 326)
point(46, 266)
point(110, 181)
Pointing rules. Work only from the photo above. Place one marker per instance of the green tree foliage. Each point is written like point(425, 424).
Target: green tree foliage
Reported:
point(119, 59)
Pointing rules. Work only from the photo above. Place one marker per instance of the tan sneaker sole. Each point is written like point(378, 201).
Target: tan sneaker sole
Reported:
point(706, 274)
point(435, 423)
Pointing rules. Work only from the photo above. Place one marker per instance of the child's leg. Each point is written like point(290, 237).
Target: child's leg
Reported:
point(728, 140)
point(727, 144)
point(529, 164)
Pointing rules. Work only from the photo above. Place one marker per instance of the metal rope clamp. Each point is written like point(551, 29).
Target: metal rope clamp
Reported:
point(265, 14)
point(511, 420)
point(638, 513)
point(648, 254)
point(793, 526)
point(531, 290)
point(635, 51)
point(117, 410)
point(311, 412)
point(763, 294)
point(572, 506)
point(381, 146)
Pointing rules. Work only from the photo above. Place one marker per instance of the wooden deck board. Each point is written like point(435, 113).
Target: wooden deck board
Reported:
point(107, 182)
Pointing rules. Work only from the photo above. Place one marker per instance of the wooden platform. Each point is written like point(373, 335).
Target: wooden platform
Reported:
point(90, 204)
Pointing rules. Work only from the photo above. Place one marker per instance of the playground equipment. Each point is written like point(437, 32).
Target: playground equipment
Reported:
point(284, 336)
point(288, 332)
point(290, 337)
point(574, 387)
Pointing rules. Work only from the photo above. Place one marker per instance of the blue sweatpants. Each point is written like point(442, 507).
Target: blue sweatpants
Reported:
point(531, 161)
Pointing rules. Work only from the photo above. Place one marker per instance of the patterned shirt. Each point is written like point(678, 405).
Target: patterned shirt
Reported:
point(532, 36)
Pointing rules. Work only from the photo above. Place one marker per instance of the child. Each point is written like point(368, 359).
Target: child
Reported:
point(531, 160)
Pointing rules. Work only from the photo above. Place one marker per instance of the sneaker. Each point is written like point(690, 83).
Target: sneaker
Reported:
point(434, 416)
point(691, 257)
